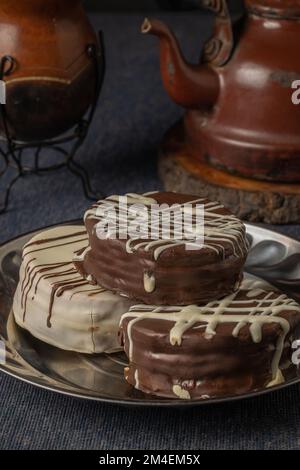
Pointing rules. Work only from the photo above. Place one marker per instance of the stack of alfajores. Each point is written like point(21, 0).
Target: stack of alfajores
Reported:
point(197, 329)
point(191, 326)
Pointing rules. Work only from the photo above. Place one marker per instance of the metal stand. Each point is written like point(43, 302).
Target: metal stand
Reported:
point(12, 151)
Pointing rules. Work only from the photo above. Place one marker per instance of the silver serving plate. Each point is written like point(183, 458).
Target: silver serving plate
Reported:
point(273, 257)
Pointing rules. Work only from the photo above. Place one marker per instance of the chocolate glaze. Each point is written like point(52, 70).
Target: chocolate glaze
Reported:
point(178, 276)
point(213, 365)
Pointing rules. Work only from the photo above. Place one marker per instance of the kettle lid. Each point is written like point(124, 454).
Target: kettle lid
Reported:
point(275, 8)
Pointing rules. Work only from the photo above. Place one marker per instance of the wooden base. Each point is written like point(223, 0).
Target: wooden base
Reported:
point(251, 200)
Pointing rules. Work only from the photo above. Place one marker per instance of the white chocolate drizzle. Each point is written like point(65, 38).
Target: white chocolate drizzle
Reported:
point(219, 229)
point(136, 379)
point(80, 256)
point(181, 392)
point(255, 312)
point(149, 282)
point(278, 380)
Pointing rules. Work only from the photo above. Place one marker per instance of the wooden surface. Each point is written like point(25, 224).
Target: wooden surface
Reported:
point(252, 200)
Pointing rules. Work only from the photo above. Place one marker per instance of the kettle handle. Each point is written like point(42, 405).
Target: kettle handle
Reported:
point(218, 49)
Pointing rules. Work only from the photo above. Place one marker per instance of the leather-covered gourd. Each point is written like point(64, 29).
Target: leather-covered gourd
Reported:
point(52, 82)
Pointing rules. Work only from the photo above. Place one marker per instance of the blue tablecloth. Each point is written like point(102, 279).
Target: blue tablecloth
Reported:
point(133, 114)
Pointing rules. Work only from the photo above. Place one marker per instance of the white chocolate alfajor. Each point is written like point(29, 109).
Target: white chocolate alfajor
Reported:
point(56, 305)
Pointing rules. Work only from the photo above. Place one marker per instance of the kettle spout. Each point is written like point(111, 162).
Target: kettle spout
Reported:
point(191, 86)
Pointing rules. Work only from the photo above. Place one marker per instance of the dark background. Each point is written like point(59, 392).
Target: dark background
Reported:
point(142, 5)
point(138, 5)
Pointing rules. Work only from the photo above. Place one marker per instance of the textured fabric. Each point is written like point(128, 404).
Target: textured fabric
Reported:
point(133, 114)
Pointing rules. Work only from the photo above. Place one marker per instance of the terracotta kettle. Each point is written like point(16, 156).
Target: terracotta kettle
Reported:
point(50, 79)
point(240, 115)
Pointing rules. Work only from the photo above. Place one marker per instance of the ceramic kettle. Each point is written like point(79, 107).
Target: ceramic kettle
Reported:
point(50, 79)
point(240, 114)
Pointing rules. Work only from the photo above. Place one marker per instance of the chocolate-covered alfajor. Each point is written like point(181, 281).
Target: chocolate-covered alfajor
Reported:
point(164, 269)
point(235, 345)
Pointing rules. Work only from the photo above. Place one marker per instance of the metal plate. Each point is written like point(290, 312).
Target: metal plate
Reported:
point(273, 257)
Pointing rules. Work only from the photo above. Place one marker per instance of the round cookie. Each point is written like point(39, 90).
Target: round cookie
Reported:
point(56, 305)
point(162, 271)
point(227, 347)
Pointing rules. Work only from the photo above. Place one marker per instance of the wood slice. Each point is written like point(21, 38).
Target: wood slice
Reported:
point(251, 200)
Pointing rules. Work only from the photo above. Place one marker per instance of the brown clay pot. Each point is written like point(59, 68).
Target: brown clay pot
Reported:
point(53, 80)
point(240, 115)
